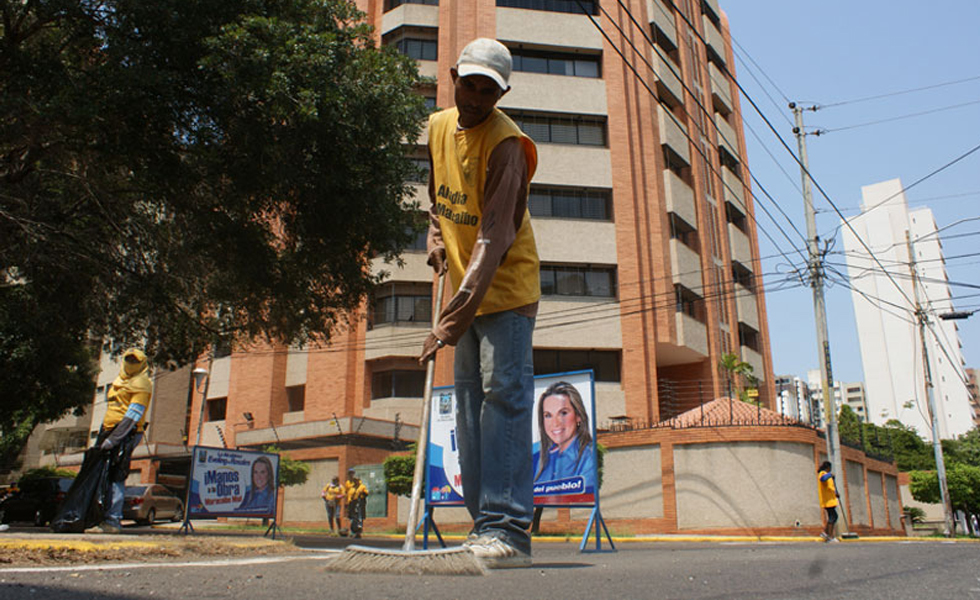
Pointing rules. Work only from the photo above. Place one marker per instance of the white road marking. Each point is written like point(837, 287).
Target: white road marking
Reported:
point(319, 555)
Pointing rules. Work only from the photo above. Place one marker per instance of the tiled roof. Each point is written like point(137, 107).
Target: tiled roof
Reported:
point(721, 411)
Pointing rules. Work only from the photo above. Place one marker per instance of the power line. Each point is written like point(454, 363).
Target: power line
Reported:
point(699, 104)
point(900, 117)
point(899, 93)
point(901, 191)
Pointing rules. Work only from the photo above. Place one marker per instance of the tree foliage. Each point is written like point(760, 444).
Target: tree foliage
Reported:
point(291, 471)
point(178, 169)
point(962, 481)
point(399, 470)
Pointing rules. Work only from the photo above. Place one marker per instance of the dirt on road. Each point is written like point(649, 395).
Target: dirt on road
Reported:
point(68, 550)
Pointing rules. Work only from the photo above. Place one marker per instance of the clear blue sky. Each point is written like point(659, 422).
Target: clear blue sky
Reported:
point(837, 51)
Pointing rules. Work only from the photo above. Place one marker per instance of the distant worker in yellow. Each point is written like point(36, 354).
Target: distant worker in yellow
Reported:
point(357, 494)
point(122, 428)
point(829, 499)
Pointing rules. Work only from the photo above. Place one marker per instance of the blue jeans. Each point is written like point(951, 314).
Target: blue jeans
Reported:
point(114, 514)
point(494, 374)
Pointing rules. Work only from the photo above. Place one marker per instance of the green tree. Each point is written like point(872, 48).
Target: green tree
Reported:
point(742, 374)
point(911, 452)
point(399, 470)
point(848, 425)
point(178, 169)
point(291, 472)
point(962, 481)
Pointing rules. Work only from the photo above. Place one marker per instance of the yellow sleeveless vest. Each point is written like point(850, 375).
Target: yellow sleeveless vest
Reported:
point(459, 169)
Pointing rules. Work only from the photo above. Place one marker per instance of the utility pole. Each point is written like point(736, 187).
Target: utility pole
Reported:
point(819, 309)
point(937, 446)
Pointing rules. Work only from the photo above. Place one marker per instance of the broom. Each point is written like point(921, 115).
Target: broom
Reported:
point(848, 534)
point(444, 561)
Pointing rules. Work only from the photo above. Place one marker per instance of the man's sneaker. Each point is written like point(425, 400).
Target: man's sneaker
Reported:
point(497, 554)
point(834, 539)
point(104, 528)
point(824, 536)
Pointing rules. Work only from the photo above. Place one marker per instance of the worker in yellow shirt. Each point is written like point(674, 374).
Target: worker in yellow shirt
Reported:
point(356, 494)
point(128, 399)
point(333, 495)
point(829, 499)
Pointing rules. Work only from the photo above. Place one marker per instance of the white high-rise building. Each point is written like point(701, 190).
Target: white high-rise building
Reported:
point(814, 382)
point(891, 349)
point(794, 400)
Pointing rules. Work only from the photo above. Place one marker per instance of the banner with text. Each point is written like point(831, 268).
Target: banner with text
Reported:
point(565, 473)
point(232, 483)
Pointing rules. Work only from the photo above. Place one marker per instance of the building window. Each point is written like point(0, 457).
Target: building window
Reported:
point(217, 408)
point(419, 233)
point(397, 384)
point(392, 4)
point(553, 129)
point(748, 337)
point(689, 303)
point(419, 43)
point(402, 303)
point(422, 169)
point(683, 232)
point(562, 6)
point(556, 63)
point(742, 275)
point(570, 203)
point(296, 398)
point(605, 363)
point(736, 217)
point(578, 281)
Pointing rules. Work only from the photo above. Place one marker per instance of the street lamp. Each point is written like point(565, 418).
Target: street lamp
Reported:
point(202, 375)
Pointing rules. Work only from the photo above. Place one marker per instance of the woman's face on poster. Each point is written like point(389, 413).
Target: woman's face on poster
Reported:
point(260, 475)
point(560, 421)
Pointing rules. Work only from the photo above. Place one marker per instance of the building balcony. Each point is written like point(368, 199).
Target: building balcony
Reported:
point(674, 134)
point(710, 8)
point(685, 266)
point(748, 310)
point(543, 28)
point(559, 240)
point(663, 18)
point(734, 190)
point(739, 245)
point(755, 359)
point(669, 86)
point(679, 198)
point(726, 137)
point(721, 91)
point(568, 322)
point(401, 339)
point(561, 164)
point(691, 334)
point(556, 93)
point(412, 15)
point(712, 36)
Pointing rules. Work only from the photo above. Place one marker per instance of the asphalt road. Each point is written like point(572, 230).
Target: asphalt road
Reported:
point(682, 570)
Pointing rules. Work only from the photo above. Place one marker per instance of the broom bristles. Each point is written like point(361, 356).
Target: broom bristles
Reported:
point(444, 561)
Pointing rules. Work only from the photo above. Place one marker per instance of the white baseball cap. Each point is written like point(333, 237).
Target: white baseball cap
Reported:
point(484, 56)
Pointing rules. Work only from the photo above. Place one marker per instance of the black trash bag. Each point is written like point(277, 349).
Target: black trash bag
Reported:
point(89, 495)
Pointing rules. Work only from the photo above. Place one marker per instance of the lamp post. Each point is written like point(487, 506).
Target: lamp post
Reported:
point(202, 375)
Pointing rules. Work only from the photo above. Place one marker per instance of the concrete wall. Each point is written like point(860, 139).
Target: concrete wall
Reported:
point(894, 502)
point(876, 493)
point(303, 502)
point(857, 512)
point(632, 486)
point(750, 484)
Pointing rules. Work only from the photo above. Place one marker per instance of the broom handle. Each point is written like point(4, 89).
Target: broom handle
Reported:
point(423, 437)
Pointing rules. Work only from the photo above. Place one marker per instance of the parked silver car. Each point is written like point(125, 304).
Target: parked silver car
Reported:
point(149, 502)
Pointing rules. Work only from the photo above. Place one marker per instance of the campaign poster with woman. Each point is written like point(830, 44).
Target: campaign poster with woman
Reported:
point(226, 482)
point(564, 440)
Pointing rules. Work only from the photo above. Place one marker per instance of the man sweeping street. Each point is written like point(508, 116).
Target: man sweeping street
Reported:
point(480, 231)
point(828, 500)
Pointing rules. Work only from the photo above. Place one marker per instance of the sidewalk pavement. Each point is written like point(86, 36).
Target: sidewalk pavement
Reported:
point(211, 539)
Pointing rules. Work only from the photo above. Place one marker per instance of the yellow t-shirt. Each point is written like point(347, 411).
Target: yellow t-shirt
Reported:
point(459, 171)
point(827, 489)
